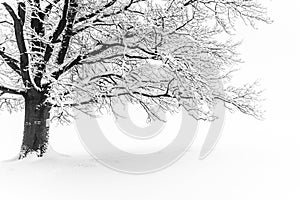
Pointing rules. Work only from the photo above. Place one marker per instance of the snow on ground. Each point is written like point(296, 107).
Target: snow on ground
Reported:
point(258, 161)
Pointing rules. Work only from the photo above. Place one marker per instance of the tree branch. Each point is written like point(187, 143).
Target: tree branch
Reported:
point(11, 62)
point(122, 9)
point(22, 11)
point(6, 22)
point(72, 11)
point(89, 16)
point(18, 27)
point(11, 91)
point(67, 67)
point(59, 29)
point(62, 23)
point(50, 6)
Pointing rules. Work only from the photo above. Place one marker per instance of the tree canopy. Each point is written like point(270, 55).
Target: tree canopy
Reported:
point(86, 53)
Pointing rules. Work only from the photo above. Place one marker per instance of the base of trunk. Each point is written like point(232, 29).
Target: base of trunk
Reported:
point(39, 152)
point(36, 125)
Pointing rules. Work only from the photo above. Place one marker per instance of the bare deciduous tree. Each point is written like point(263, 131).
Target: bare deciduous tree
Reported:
point(59, 54)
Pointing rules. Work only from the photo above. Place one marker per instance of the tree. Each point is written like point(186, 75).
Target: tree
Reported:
point(62, 54)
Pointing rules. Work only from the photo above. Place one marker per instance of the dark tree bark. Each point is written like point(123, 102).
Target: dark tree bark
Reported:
point(36, 124)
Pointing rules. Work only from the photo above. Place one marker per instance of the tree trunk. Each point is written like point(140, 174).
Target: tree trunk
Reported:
point(36, 124)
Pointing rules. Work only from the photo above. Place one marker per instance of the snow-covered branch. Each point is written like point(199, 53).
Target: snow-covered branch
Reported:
point(5, 89)
point(13, 63)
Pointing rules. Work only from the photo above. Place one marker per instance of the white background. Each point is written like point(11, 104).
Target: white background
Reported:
point(253, 160)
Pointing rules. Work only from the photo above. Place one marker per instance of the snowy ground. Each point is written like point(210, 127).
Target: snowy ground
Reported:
point(257, 161)
point(254, 160)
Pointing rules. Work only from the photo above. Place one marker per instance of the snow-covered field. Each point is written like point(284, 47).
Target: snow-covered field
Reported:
point(258, 160)
point(255, 160)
